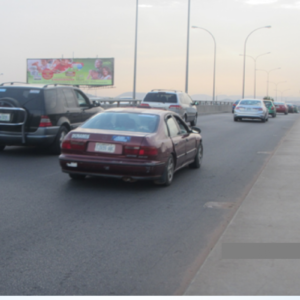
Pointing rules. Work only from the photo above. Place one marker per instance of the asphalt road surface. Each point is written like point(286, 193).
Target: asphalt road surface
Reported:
point(108, 237)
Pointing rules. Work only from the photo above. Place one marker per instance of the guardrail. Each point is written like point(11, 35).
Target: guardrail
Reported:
point(134, 102)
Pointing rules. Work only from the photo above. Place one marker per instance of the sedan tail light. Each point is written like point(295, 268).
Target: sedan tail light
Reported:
point(144, 105)
point(134, 151)
point(260, 108)
point(73, 145)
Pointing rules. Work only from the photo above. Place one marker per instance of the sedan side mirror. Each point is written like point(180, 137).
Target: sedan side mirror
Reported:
point(96, 103)
point(197, 129)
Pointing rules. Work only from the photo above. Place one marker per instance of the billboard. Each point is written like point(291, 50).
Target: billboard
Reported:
point(75, 71)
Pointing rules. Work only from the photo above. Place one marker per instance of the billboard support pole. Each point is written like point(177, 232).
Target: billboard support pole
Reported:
point(135, 49)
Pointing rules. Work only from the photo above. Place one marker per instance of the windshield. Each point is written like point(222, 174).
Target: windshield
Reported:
point(268, 103)
point(161, 97)
point(123, 122)
point(250, 102)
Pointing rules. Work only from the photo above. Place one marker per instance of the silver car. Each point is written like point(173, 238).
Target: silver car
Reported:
point(251, 109)
point(176, 101)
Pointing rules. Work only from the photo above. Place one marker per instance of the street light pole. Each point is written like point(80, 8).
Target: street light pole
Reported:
point(243, 92)
point(268, 77)
point(215, 50)
point(254, 59)
point(282, 92)
point(187, 49)
point(276, 86)
point(135, 49)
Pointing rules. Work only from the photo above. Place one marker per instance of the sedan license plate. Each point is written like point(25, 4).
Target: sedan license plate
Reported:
point(4, 117)
point(108, 148)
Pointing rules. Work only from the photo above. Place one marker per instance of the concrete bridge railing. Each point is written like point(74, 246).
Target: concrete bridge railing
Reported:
point(204, 107)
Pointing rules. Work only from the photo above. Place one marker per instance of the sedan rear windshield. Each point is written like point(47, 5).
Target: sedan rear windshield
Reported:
point(161, 97)
point(30, 98)
point(250, 102)
point(123, 122)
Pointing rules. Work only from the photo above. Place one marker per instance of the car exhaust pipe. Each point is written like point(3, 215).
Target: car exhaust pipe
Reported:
point(128, 179)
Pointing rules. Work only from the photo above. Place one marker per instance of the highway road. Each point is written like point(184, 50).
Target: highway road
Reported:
point(108, 237)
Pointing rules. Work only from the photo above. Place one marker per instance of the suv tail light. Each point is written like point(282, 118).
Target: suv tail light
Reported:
point(176, 106)
point(272, 108)
point(45, 121)
point(140, 151)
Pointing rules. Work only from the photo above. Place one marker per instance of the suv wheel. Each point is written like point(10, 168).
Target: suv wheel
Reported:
point(194, 122)
point(56, 146)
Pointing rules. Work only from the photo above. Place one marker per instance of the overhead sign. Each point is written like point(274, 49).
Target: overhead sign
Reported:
point(75, 71)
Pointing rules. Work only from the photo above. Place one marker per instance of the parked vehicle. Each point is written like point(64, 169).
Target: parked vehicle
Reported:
point(132, 144)
point(290, 107)
point(234, 105)
point(251, 109)
point(281, 107)
point(176, 101)
point(32, 115)
point(271, 107)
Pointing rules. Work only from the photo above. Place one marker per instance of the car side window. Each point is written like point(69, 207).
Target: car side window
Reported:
point(71, 101)
point(173, 129)
point(182, 126)
point(80, 99)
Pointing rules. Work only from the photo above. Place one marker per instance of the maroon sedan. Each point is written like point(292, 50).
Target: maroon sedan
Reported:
point(281, 107)
point(132, 144)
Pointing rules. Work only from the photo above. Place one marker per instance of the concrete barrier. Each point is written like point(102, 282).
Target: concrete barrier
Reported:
point(204, 107)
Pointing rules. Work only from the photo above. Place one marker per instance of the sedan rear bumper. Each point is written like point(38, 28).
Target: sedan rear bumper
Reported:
point(147, 170)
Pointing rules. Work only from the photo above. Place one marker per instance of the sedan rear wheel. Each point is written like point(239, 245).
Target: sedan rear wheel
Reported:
point(168, 174)
point(196, 164)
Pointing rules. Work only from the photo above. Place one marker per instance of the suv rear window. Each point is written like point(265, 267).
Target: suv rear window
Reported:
point(161, 97)
point(30, 98)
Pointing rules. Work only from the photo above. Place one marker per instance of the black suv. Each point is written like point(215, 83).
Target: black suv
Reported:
point(41, 116)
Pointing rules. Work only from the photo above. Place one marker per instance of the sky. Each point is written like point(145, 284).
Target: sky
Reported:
point(91, 28)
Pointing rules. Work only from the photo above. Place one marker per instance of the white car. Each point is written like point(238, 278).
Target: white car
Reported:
point(251, 109)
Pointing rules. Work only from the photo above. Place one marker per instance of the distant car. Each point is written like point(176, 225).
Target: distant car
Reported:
point(132, 144)
point(37, 115)
point(173, 100)
point(251, 109)
point(271, 107)
point(290, 107)
point(296, 110)
point(281, 107)
point(234, 105)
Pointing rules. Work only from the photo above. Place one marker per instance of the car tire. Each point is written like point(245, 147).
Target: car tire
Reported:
point(285, 113)
point(194, 122)
point(185, 118)
point(168, 174)
point(196, 164)
point(263, 120)
point(77, 176)
point(274, 115)
point(2, 147)
point(56, 146)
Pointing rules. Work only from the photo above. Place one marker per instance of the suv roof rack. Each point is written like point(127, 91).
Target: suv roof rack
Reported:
point(12, 83)
point(169, 90)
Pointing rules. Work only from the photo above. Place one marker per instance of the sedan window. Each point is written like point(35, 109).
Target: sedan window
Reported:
point(173, 129)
